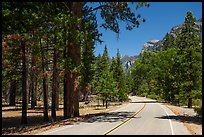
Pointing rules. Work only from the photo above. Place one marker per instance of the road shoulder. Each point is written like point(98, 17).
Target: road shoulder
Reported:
point(192, 122)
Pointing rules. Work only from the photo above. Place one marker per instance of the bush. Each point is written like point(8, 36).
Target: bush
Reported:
point(198, 110)
point(197, 102)
point(153, 96)
point(144, 95)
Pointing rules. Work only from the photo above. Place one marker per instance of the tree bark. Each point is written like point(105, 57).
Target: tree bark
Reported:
point(54, 87)
point(73, 81)
point(45, 85)
point(76, 97)
point(66, 115)
point(190, 104)
point(84, 91)
point(69, 90)
point(57, 90)
point(71, 94)
point(57, 83)
point(12, 96)
point(76, 57)
point(33, 84)
point(65, 97)
point(24, 85)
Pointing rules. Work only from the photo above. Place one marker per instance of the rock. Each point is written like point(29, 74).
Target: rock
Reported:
point(155, 45)
point(152, 45)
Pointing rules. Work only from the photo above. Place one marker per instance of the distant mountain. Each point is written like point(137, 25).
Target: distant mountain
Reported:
point(152, 45)
point(155, 45)
point(128, 61)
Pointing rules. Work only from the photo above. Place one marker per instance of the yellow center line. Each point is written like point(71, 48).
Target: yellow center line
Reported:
point(125, 121)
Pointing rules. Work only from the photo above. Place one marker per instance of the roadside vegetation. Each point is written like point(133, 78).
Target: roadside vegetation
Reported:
point(173, 74)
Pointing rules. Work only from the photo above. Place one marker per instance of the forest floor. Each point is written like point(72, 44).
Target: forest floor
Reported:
point(11, 118)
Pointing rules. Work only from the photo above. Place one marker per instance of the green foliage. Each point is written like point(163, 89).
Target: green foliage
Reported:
point(104, 84)
point(107, 86)
point(173, 73)
point(109, 79)
point(188, 48)
point(169, 42)
point(198, 110)
point(113, 12)
point(119, 77)
point(153, 96)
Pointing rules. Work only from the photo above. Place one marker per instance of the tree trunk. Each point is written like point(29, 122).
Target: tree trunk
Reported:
point(72, 82)
point(190, 104)
point(24, 85)
point(66, 112)
point(98, 102)
point(84, 91)
point(57, 90)
point(33, 84)
point(57, 84)
point(65, 97)
point(72, 78)
point(45, 97)
point(12, 96)
point(69, 91)
point(54, 87)
point(34, 93)
point(76, 96)
point(45, 85)
point(106, 104)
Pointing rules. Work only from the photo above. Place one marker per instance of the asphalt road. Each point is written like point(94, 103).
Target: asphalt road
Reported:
point(141, 116)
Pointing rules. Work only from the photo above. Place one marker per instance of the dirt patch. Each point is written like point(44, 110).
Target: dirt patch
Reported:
point(192, 122)
point(11, 118)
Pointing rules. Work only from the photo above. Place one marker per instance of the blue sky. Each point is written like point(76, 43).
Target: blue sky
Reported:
point(160, 18)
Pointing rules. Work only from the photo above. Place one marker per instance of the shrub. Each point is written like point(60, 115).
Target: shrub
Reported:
point(153, 96)
point(144, 94)
point(198, 110)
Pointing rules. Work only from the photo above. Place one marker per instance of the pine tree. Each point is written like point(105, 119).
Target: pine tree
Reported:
point(106, 85)
point(189, 51)
point(97, 71)
point(119, 76)
point(169, 42)
point(87, 61)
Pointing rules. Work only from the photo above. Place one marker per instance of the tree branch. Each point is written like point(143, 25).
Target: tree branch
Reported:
point(99, 7)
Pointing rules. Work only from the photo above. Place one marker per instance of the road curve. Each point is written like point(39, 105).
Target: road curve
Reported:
point(141, 116)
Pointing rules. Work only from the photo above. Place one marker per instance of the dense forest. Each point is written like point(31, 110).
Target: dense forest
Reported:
point(48, 55)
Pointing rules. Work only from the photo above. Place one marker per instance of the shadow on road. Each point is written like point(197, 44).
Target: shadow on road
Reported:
point(188, 119)
point(146, 101)
point(109, 117)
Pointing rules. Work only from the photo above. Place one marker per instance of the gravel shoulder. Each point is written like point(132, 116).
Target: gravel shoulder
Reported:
point(188, 116)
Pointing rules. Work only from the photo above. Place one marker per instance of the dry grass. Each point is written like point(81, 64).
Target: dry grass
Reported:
point(11, 118)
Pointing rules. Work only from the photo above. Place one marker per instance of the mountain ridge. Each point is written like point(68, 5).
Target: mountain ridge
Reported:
point(155, 45)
